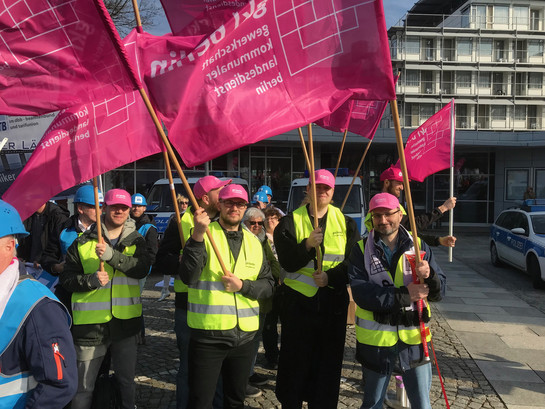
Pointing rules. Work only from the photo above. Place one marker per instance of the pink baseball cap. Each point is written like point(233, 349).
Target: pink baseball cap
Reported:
point(117, 196)
point(233, 192)
point(208, 183)
point(385, 200)
point(392, 173)
point(324, 177)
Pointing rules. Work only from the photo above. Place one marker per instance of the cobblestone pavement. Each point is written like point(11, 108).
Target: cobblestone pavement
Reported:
point(157, 365)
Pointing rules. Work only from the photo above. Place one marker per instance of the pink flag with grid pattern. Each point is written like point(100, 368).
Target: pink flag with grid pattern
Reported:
point(54, 55)
point(83, 142)
point(273, 66)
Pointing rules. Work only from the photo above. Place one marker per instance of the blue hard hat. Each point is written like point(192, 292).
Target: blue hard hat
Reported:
point(261, 197)
point(265, 189)
point(86, 194)
point(10, 221)
point(138, 200)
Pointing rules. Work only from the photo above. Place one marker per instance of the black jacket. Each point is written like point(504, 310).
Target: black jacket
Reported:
point(151, 235)
point(193, 262)
point(52, 218)
point(73, 279)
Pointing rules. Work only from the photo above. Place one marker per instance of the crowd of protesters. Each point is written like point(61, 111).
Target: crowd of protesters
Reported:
point(241, 267)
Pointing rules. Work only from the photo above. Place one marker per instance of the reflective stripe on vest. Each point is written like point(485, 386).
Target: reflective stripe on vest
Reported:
point(210, 307)
point(14, 389)
point(187, 225)
point(370, 332)
point(28, 293)
point(120, 298)
point(334, 247)
point(66, 238)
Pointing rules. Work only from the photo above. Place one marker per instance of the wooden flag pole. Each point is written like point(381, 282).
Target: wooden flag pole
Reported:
point(172, 156)
point(99, 221)
point(407, 190)
point(165, 154)
point(314, 201)
point(174, 199)
point(341, 152)
point(356, 173)
point(307, 160)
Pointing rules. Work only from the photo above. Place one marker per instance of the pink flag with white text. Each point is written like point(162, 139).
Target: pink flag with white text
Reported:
point(199, 17)
point(55, 55)
point(274, 66)
point(428, 148)
point(360, 117)
point(83, 142)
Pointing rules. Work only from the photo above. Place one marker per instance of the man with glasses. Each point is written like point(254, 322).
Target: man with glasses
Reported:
point(206, 192)
point(387, 321)
point(223, 311)
point(392, 182)
point(314, 299)
point(65, 234)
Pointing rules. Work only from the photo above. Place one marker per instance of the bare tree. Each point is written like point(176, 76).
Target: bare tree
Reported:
point(122, 14)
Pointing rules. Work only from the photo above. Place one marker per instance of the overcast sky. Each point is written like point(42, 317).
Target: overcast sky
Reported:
point(394, 10)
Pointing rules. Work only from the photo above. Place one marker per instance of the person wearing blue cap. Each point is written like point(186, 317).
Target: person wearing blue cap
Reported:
point(260, 200)
point(63, 235)
point(146, 227)
point(268, 191)
point(37, 356)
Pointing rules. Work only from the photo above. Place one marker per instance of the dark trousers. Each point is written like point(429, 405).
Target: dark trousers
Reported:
point(207, 361)
point(270, 331)
point(311, 350)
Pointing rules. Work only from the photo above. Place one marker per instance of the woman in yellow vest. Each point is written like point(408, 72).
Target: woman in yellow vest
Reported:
point(313, 305)
point(387, 323)
point(222, 310)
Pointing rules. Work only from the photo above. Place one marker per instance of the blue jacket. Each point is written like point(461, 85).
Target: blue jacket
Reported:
point(39, 347)
point(379, 299)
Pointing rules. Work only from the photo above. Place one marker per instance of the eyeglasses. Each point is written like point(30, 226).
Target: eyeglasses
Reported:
point(230, 203)
point(184, 203)
point(271, 218)
point(378, 216)
point(255, 223)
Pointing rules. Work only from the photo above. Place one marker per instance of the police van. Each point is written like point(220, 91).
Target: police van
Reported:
point(159, 198)
point(354, 207)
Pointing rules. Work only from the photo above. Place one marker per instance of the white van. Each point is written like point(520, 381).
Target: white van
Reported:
point(354, 206)
point(159, 199)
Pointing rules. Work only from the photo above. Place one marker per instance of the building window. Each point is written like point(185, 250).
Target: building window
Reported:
point(535, 80)
point(480, 16)
point(465, 47)
point(539, 187)
point(426, 112)
point(535, 48)
point(520, 17)
point(516, 182)
point(463, 79)
point(501, 15)
point(484, 80)
point(534, 19)
point(485, 48)
point(498, 112)
point(413, 78)
point(413, 45)
point(520, 113)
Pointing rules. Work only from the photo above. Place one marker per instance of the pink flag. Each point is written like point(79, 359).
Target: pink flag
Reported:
point(360, 117)
point(428, 148)
point(83, 142)
point(55, 55)
point(198, 17)
point(274, 66)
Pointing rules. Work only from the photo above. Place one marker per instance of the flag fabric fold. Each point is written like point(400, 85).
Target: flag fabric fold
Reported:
point(427, 150)
point(55, 55)
point(273, 66)
point(83, 142)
